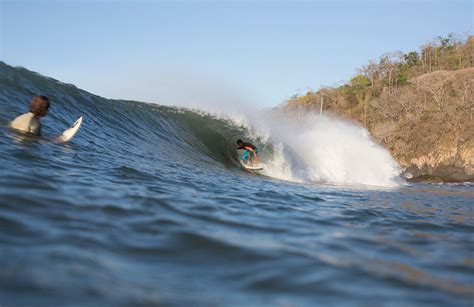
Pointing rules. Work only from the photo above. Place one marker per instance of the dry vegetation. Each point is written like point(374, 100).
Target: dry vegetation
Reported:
point(419, 105)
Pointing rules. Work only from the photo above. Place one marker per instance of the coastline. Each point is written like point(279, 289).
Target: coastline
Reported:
point(419, 106)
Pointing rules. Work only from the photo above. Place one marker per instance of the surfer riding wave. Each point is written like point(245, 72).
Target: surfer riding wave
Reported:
point(250, 154)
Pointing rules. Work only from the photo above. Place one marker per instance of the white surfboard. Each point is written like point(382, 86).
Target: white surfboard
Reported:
point(71, 131)
point(252, 167)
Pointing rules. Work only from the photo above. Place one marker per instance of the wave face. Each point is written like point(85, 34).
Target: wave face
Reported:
point(149, 205)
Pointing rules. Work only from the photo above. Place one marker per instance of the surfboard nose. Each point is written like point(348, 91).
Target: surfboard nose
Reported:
point(71, 131)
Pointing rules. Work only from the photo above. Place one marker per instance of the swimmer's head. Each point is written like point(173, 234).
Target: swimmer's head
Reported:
point(39, 106)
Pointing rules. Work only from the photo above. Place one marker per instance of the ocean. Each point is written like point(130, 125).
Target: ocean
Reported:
point(148, 205)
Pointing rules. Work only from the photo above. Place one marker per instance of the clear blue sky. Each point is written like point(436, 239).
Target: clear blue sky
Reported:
point(261, 51)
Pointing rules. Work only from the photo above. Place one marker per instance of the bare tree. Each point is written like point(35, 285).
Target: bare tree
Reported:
point(388, 67)
point(370, 71)
point(324, 93)
point(437, 84)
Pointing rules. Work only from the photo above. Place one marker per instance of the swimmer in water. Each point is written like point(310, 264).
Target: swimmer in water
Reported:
point(29, 122)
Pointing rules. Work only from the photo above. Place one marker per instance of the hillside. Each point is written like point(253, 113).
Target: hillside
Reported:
point(418, 105)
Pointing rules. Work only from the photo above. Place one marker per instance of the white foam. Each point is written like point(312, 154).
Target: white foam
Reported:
point(321, 148)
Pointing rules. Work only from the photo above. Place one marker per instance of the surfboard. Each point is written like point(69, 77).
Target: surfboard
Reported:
point(71, 131)
point(254, 167)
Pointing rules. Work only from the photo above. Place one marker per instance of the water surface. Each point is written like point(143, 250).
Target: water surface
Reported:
point(148, 205)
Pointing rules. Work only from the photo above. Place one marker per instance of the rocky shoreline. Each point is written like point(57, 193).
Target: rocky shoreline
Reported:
point(457, 167)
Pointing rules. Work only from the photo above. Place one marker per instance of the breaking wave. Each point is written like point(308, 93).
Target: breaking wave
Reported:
point(307, 148)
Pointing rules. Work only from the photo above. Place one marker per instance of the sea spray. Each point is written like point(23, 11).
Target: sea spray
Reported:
point(337, 151)
point(324, 148)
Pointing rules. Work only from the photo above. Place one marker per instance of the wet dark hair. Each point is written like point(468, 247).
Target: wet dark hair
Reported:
point(39, 105)
point(239, 141)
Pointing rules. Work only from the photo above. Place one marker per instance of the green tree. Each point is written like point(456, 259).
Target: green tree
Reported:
point(412, 58)
point(360, 81)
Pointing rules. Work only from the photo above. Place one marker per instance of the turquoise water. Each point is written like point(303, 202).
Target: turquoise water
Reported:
point(148, 205)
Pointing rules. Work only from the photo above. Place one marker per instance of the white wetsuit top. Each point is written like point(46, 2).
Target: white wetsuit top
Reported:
point(26, 123)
